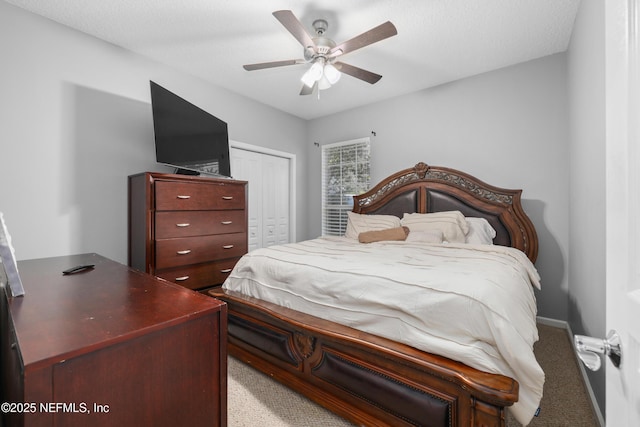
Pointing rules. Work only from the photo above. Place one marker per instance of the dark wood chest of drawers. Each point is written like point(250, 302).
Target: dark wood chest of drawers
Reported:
point(186, 229)
point(110, 346)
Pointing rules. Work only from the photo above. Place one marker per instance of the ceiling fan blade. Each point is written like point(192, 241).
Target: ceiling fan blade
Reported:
point(293, 25)
point(357, 72)
point(374, 35)
point(306, 90)
point(273, 64)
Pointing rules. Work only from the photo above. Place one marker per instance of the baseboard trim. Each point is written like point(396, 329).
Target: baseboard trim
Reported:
point(553, 322)
point(562, 324)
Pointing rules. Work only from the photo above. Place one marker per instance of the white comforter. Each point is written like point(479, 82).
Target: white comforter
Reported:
point(471, 303)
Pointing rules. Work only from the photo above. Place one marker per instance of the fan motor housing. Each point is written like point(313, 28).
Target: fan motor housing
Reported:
point(323, 44)
point(320, 26)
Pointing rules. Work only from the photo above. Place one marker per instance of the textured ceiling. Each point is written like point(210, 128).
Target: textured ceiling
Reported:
point(438, 41)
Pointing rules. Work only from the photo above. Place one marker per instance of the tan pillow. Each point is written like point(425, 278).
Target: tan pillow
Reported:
point(430, 236)
point(359, 223)
point(453, 224)
point(397, 233)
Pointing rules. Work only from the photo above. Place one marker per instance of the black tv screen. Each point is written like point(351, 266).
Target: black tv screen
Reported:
point(187, 137)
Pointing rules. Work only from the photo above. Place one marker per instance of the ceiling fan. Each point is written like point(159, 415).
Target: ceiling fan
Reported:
point(323, 53)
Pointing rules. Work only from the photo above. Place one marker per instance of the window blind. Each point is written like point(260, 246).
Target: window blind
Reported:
point(345, 173)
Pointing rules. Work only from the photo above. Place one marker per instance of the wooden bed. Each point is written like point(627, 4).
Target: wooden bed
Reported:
point(371, 380)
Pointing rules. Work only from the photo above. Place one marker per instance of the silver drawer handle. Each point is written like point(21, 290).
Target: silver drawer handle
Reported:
point(183, 224)
point(227, 197)
point(226, 222)
point(182, 279)
point(186, 251)
point(227, 246)
point(183, 197)
point(226, 270)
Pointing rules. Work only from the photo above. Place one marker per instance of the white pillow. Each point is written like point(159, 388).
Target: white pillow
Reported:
point(360, 223)
point(431, 236)
point(480, 231)
point(453, 224)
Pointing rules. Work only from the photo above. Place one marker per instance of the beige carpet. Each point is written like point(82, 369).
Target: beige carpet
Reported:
point(565, 402)
point(255, 399)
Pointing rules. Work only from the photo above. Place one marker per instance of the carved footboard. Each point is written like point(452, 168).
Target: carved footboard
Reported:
point(369, 380)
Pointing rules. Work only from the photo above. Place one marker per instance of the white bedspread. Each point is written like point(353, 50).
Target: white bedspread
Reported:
point(470, 303)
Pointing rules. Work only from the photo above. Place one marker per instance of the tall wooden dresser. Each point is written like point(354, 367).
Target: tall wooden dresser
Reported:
point(110, 346)
point(189, 230)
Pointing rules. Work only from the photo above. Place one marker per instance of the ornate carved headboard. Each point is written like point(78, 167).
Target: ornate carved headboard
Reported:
point(426, 189)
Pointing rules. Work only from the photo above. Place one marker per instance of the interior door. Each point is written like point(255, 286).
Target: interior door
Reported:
point(275, 175)
point(270, 194)
point(623, 208)
point(247, 166)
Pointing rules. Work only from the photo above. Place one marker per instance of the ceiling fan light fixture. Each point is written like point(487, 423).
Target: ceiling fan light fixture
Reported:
point(307, 80)
point(313, 74)
point(324, 83)
point(331, 73)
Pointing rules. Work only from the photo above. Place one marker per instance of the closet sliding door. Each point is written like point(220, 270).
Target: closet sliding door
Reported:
point(270, 198)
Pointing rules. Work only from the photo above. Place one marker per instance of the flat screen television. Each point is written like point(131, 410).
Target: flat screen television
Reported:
point(187, 137)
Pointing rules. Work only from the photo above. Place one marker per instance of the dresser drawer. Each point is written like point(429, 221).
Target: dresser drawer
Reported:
point(195, 250)
point(174, 196)
point(170, 224)
point(200, 275)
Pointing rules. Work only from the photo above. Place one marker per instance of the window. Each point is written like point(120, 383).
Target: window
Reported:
point(345, 173)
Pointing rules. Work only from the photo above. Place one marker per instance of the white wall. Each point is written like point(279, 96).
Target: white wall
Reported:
point(586, 76)
point(508, 128)
point(76, 121)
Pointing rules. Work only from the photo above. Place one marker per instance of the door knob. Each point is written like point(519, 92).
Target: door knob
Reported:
point(589, 349)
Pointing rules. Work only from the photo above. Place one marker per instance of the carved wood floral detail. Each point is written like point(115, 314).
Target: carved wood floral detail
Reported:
point(422, 171)
point(305, 344)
